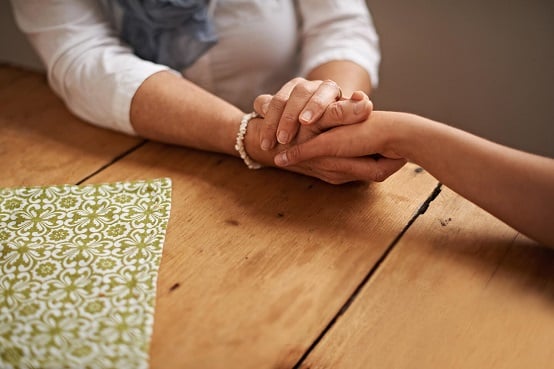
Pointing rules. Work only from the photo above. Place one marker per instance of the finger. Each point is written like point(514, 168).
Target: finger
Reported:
point(337, 142)
point(343, 170)
point(362, 169)
point(274, 112)
point(289, 123)
point(261, 104)
point(346, 112)
point(377, 170)
point(328, 92)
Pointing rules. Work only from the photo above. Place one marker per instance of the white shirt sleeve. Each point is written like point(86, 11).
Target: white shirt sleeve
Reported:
point(338, 30)
point(88, 67)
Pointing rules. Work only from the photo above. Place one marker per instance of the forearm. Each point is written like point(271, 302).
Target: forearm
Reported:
point(348, 75)
point(516, 187)
point(170, 109)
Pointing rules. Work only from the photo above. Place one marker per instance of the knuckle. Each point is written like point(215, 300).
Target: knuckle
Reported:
point(289, 118)
point(329, 82)
point(279, 100)
point(268, 130)
point(336, 111)
point(380, 175)
point(298, 80)
point(318, 103)
point(258, 101)
point(294, 154)
point(302, 89)
point(261, 99)
point(269, 125)
point(331, 165)
point(367, 108)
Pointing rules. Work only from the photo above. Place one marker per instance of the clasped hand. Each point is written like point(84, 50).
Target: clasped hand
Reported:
point(305, 110)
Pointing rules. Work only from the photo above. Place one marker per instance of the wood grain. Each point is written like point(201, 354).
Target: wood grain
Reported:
point(41, 142)
point(460, 290)
point(256, 263)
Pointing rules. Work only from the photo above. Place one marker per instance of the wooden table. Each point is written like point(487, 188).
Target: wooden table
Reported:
point(268, 269)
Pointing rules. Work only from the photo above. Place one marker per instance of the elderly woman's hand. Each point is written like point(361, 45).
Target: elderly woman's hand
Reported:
point(299, 101)
point(335, 170)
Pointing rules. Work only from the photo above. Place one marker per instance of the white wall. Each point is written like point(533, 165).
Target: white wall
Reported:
point(486, 66)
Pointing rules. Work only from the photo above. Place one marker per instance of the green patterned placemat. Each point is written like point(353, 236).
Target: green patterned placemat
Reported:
point(78, 270)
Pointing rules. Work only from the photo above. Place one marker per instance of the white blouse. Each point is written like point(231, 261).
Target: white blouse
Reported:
point(262, 44)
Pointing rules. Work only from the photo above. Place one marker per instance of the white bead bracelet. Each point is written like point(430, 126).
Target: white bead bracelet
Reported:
point(239, 146)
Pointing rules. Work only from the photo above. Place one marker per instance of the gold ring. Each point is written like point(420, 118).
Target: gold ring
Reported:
point(340, 93)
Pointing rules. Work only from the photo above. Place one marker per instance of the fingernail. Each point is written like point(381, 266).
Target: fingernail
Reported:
point(282, 137)
point(281, 159)
point(265, 108)
point(266, 144)
point(306, 116)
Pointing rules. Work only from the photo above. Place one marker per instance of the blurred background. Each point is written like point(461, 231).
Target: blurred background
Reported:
point(486, 66)
point(483, 66)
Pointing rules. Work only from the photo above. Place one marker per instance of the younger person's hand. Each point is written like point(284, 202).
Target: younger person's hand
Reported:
point(328, 168)
point(370, 137)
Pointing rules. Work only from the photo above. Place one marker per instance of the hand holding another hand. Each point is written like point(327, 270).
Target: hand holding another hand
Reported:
point(369, 137)
point(299, 101)
point(328, 168)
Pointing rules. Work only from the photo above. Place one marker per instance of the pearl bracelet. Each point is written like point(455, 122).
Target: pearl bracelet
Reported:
point(239, 146)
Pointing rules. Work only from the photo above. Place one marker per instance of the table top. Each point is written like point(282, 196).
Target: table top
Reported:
point(269, 269)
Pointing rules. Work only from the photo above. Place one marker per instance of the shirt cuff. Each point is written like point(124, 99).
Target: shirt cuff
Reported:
point(369, 62)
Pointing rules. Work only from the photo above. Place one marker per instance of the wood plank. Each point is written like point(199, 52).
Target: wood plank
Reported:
point(460, 290)
point(41, 142)
point(10, 74)
point(256, 263)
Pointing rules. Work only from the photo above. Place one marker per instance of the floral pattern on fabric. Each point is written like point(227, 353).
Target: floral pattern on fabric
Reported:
point(78, 270)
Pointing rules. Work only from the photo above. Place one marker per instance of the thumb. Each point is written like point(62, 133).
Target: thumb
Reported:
point(350, 111)
point(261, 104)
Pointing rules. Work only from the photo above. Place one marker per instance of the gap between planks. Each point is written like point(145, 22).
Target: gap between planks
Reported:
point(420, 211)
point(113, 161)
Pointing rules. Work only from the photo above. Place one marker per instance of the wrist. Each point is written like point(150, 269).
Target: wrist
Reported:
point(252, 144)
point(411, 135)
point(240, 144)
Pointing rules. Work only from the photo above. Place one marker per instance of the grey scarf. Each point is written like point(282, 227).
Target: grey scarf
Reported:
point(169, 32)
